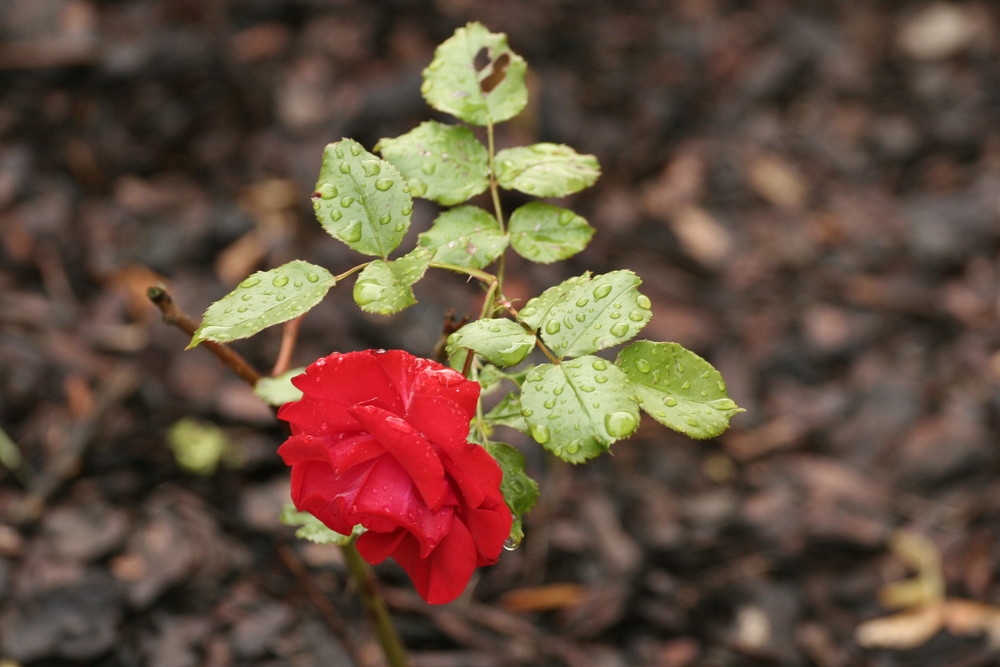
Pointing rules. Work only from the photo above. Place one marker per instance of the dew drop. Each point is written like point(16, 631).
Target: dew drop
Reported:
point(619, 330)
point(527, 412)
point(345, 168)
point(336, 215)
point(616, 316)
point(417, 187)
point(721, 385)
point(280, 281)
point(355, 149)
point(510, 543)
point(252, 281)
point(573, 447)
point(228, 310)
point(558, 390)
point(703, 393)
point(312, 277)
point(552, 327)
point(637, 316)
point(642, 365)
point(407, 209)
point(384, 184)
point(656, 376)
point(582, 301)
point(385, 219)
point(339, 152)
point(586, 388)
point(428, 168)
point(581, 317)
point(602, 291)
point(247, 297)
point(643, 302)
point(400, 226)
point(619, 424)
point(599, 365)
point(426, 86)
point(436, 64)
point(366, 293)
point(327, 191)
point(528, 312)
point(372, 168)
point(566, 217)
point(242, 309)
point(600, 379)
point(691, 421)
point(685, 385)
point(298, 283)
point(346, 201)
point(670, 401)
point(706, 375)
point(549, 403)
point(280, 297)
point(540, 433)
point(353, 232)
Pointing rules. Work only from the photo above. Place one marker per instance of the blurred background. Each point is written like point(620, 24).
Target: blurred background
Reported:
point(809, 190)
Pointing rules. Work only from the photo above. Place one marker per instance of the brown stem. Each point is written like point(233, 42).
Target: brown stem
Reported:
point(289, 336)
point(175, 316)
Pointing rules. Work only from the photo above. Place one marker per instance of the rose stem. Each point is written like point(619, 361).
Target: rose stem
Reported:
point(289, 335)
point(372, 600)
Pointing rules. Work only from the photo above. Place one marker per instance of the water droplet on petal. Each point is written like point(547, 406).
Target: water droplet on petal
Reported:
point(619, 424)
point(540, 433)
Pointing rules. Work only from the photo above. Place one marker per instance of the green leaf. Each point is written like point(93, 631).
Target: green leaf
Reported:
point(590, 314)
point(264, 299)
point(546, 170)
point(476, 77)
point(545, 233)
point(312, 529)
point(536, 310)
point(279, 390)
point(198, 446)
point(443, 163)
point(576, 409)
point(678, 388)
point(508, 413)
point(465, 236)
point(520, 492)
point(385, 287)
point(500, 341)
point(361, 199)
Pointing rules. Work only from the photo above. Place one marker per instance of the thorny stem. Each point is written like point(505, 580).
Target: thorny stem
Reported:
point(372, 600)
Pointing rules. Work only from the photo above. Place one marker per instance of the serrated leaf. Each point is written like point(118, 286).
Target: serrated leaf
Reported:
point(578, 408)
point(279, 389)
point(361, 199)
point(508, 413)
point(264, 299)
point(386, 287)
point(443, 163)
point(312, 529)
point(546, 170)
point(465, 236)
point(545, 233)
point(476, 77)
point(678, 388)
point(536, 310)
point(500, 341)
point(520, 492)
point(590, 314)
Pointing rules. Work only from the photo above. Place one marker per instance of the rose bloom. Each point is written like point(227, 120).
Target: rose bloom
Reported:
point(380, 439)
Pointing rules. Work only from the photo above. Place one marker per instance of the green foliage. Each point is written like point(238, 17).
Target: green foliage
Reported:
point(520, 492)
point(475, 77)
point(279, 390)
point(502, 342)
point(678, 388)
point(584, 314)
point(578, 408)
point(312, 529)
point(385, 287)
point(264, 299)
point(546, 170)
point(545, 233)
point(443, 163)
point(578, 405)
point(199, 447)
point(465, 236)
point(361, 199)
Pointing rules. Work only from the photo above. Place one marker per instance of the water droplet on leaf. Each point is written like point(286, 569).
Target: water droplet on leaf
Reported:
point(250, 282)
point(312, 277)
point(599, 365)
point(549, 403)
point(602, 291)
point(540, 433)
point(346, 201)
point(642, 365)
point(280, 281)
point(353, 232)
point(552, 327)
point(619, 424)
point(327, 191)
point(670, 401)
point(336, 215)
point(643, 302)
point(384, 184)
point(636, 316)
point(619, 330)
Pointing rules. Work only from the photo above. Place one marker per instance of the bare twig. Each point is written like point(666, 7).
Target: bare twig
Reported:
point(289, 336)
point(175, 316)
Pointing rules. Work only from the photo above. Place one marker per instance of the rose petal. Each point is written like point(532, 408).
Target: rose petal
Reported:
point(441, 577)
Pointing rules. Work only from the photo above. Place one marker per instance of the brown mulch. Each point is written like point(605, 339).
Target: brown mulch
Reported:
point(810, 192)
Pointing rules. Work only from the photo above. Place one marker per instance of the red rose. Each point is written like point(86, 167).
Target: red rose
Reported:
point(380, 439)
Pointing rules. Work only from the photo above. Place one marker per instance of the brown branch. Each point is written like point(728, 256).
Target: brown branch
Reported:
point(289, 336)
point(175, 316)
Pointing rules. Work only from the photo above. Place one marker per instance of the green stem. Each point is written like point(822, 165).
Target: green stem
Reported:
point(374, 604)
point(347, 273)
